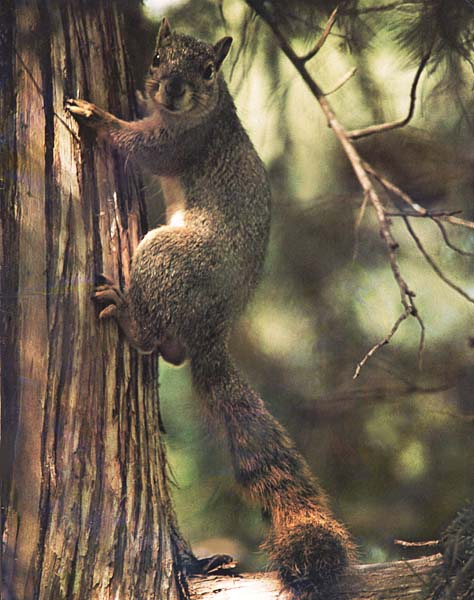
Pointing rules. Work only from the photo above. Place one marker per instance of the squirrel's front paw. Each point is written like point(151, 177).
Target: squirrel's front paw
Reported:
point(85, 112)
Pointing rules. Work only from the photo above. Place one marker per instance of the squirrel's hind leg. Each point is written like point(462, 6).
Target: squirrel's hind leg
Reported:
point(114, 305)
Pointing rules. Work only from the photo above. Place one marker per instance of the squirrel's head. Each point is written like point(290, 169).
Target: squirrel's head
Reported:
point(184, 73)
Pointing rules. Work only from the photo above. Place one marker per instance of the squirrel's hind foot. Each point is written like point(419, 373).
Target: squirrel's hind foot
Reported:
point(110, 296)
point(114, 305)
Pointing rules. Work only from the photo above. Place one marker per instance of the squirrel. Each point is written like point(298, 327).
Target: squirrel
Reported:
point(192, 277)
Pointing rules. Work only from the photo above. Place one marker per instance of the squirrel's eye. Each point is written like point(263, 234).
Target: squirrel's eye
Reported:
point(156, 60)
point(208, 72)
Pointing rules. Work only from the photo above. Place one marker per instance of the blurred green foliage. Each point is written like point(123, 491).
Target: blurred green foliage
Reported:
point(394, 448)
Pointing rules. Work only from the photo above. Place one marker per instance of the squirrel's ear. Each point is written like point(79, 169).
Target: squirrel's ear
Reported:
point(221, 48)
point(164, 33)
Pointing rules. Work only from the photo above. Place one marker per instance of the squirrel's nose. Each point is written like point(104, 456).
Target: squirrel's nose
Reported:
point(175, 87)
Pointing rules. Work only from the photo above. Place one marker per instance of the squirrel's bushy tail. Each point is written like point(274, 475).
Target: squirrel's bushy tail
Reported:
point(307, 545)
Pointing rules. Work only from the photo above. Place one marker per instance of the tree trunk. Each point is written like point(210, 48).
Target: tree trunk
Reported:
point(84, 500)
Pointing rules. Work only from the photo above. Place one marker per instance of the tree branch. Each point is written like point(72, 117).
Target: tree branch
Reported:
point(381, 343)
point(400, 580)
point(358, 166)
point(458, 221)
point(420, 211)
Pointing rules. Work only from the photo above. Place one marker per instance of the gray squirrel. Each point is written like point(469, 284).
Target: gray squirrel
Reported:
point(191, 278)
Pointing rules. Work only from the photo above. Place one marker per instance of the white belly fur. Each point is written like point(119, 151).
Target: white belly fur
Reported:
point(175, 207)
point(175, 200)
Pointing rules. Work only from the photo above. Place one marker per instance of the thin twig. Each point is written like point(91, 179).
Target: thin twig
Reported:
point(344, 400)
point(324, 36)
point(383, 342)
point(432, 544)
point(342, 81)
point(358, 223)
point(380, 8)
point(446, 239)
point(428, 215)
point(459, 221)
point(391, 187)
point(357, 134)
point(433, 264)
point(420, 211)
point(292, 16)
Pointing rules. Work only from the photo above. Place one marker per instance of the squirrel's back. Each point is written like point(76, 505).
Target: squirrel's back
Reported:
point(227, 189)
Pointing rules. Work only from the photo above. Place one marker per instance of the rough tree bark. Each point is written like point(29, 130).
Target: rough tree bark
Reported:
point(84, 502)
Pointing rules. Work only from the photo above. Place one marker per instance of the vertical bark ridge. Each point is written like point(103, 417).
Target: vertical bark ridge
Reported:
point(9, 250)
point(32, 311)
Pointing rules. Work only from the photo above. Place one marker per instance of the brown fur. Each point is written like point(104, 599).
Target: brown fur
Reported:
point(192, 277)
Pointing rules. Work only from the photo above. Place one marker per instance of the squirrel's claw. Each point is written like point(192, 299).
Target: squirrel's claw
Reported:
point(80, 108)
point(108, 312)
point(105, 294)
point(108, 294)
